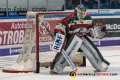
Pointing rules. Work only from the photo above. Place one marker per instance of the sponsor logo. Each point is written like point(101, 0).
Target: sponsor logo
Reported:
point(42, 28)
point(18, 25)
point(58, 42)
point(89, 49)
point(22, 13)
point(68, 59)
point(24, 9)
point(15, 51)
point(11, 37)
point(113, 26)
point(70, 51)
point(110, 26)
point(45, 39)
point(73, 74)
point(12, 13)
point(97, 43)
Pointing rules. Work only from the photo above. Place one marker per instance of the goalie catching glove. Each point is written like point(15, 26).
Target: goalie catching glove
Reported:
point(98, 32)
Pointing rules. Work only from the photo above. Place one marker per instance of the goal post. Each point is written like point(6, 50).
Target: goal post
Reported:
point(37, 42)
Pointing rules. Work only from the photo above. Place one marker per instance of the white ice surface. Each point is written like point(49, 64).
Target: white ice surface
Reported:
point(111, 55)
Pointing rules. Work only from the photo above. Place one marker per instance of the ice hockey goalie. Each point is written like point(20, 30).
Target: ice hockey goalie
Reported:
point(71, 34)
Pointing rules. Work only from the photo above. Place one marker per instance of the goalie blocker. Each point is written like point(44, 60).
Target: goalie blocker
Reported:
point(89, 50)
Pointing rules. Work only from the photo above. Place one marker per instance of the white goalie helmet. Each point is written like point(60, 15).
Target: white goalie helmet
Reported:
point(80, 9)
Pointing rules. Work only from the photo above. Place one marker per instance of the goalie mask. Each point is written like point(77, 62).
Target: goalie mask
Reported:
point(80, 12)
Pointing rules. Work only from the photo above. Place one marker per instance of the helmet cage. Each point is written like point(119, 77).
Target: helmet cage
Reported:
point(81, 8)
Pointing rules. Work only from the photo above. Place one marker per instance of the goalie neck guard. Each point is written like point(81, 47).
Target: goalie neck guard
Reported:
point(80, 12)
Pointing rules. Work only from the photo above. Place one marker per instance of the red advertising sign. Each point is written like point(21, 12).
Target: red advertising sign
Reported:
point(12, 33)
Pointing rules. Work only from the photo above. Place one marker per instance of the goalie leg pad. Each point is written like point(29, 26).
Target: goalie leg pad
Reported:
point(93, 55)
point(71, 48)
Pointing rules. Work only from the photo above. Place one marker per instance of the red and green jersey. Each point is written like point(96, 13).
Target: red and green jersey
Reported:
point(72, 24)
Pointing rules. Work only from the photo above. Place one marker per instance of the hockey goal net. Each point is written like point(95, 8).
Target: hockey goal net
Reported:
point(37, 42)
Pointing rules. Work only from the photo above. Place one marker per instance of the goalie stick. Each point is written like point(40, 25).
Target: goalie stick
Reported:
point(63, 51)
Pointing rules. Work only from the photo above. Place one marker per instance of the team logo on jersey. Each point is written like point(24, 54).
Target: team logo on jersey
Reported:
point(73, 74)
point(42, 28)
point(80, 31)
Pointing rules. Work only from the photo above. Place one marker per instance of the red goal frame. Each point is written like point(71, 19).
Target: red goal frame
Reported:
point(37, 14)
point(37, 36)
